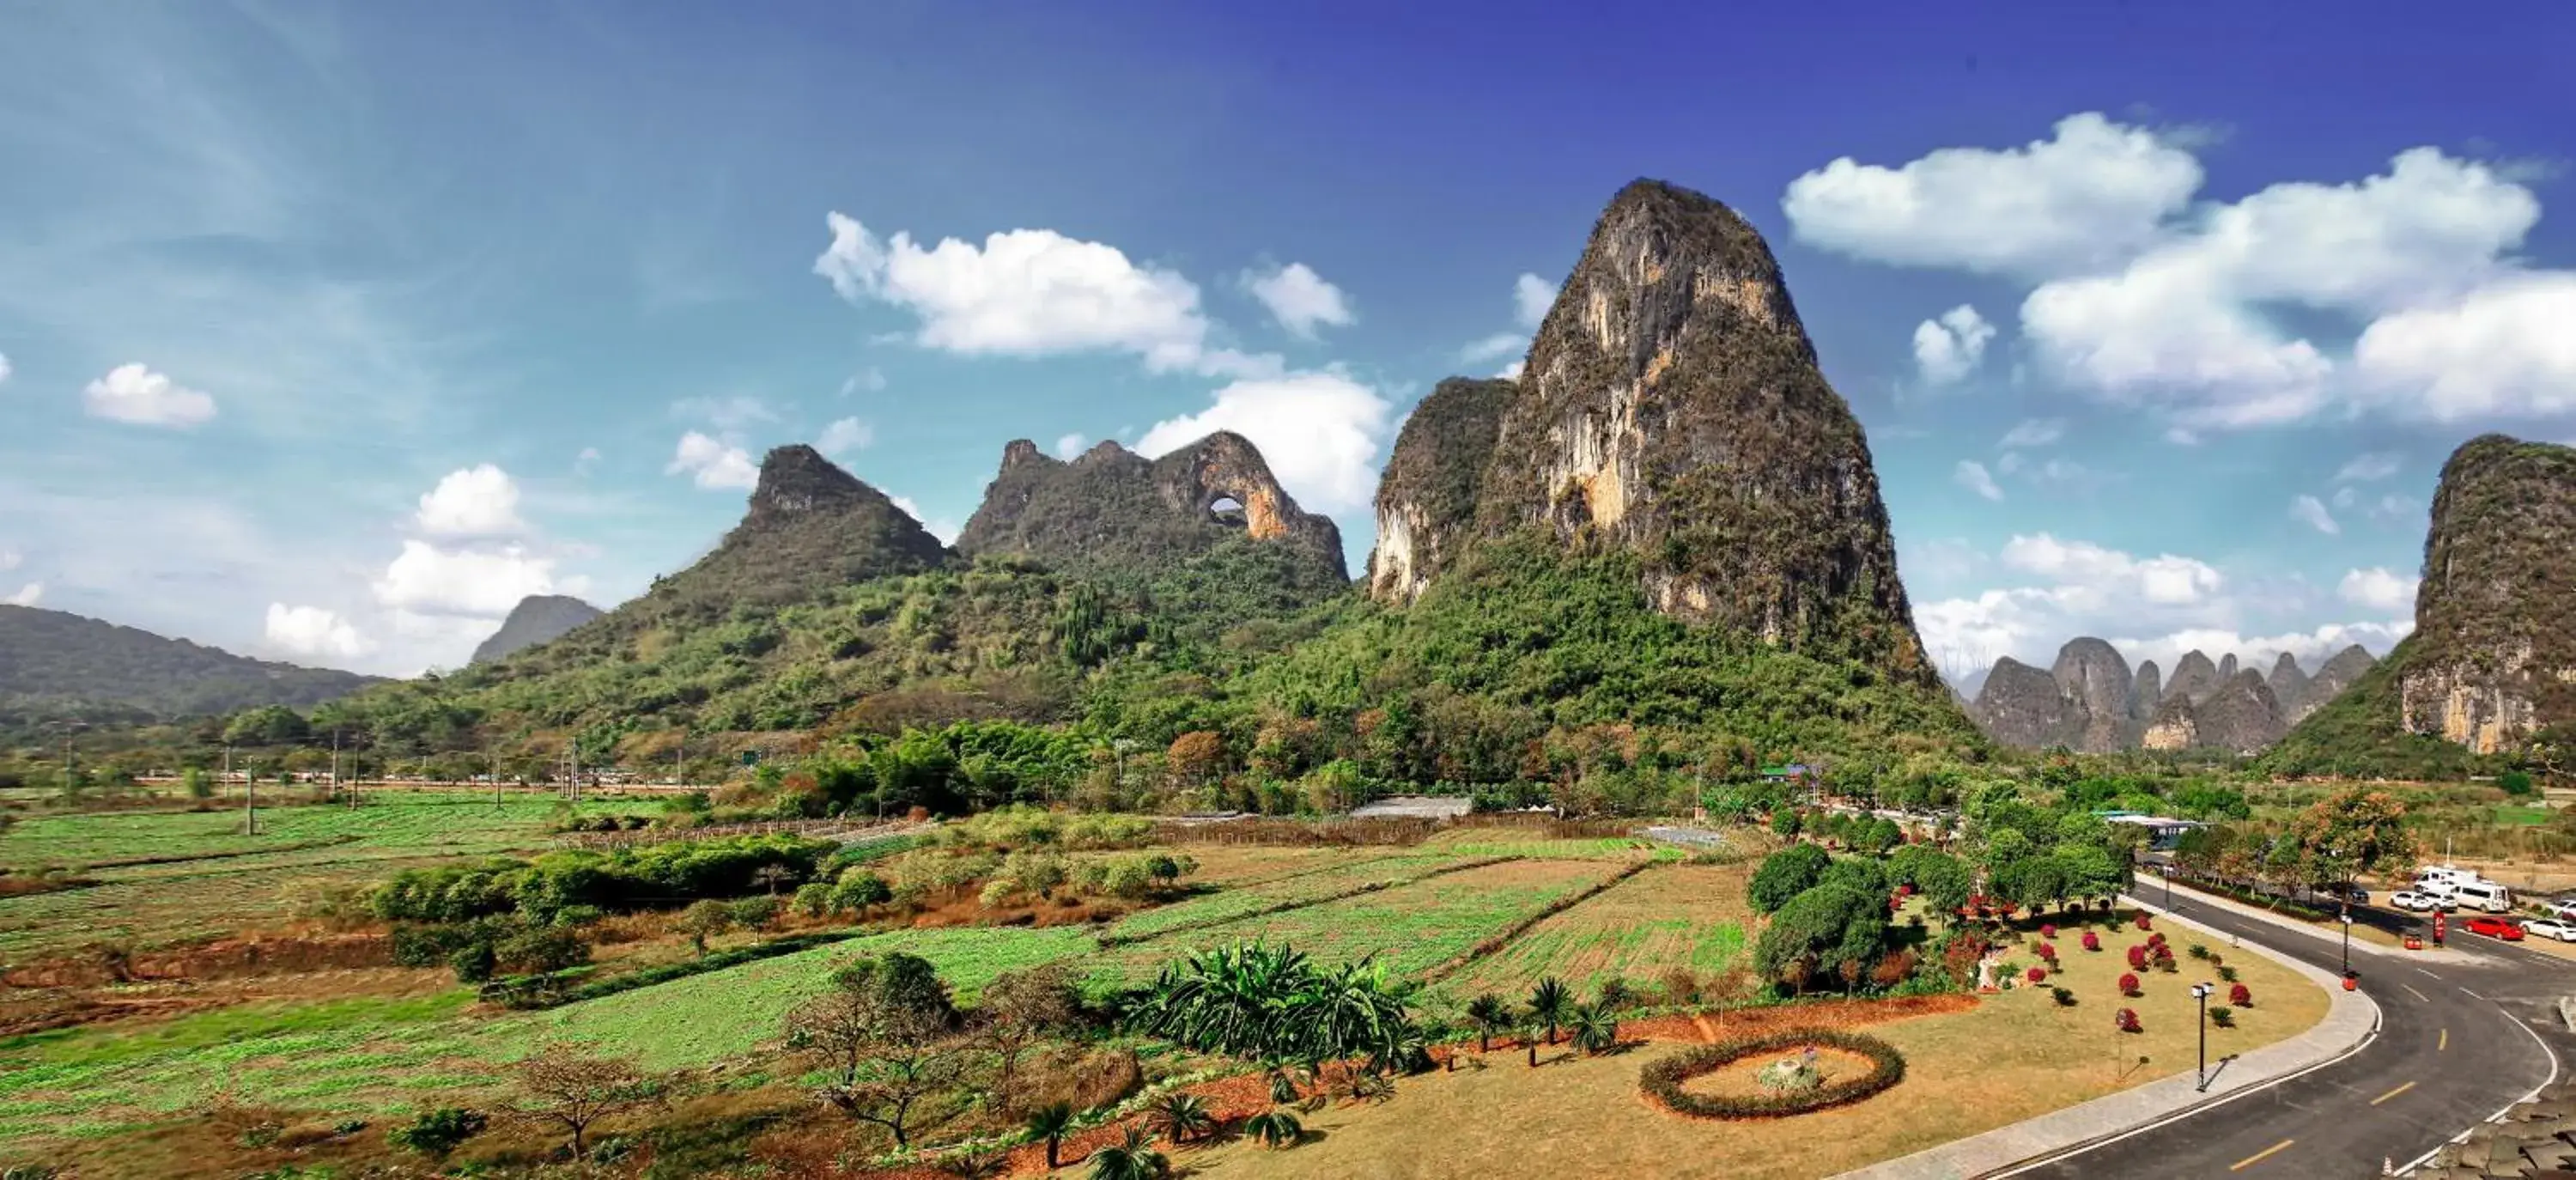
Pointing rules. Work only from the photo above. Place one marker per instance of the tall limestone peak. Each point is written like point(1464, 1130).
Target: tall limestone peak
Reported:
point(2240, 714)
point(2146, 690)
point(2095, 677)
point(539, 618)
point(809, 527)
point(2194, 677)
point(2289, 684)
point(1426, 498)
point(2227, 667)
point(1671, 405)
point(2493, 654)
point(2334, 676)
point(1113, 509)
point(2024, 706)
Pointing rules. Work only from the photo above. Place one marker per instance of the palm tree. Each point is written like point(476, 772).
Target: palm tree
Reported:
point(1548, 1003)
point(1283, 1084)
point(1132, 1159)
point(1052, 1123)
point(1596, 1029)
point(1180, 1117)
point(1491, 1014)
point(1529, 1038)
point(1276, 1129)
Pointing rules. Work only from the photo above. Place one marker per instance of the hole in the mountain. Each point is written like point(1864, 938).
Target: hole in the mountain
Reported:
point(1227, 510)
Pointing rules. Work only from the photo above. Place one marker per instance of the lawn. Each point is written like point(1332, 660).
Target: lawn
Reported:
point(418, 822)
point(2010, 1057)
point(1672, 915)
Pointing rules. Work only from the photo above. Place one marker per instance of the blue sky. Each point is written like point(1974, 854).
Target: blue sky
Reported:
point(332, 329)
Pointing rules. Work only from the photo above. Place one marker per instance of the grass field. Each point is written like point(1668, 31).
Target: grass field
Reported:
point(418, 822)
point(1669, 916)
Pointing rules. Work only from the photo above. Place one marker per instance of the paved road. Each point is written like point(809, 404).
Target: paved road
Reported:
point(2460, 1039)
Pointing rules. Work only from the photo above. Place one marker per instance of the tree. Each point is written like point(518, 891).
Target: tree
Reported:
point(1196, 758)
point(884, 1038)
point(563, 1087)
point(1883, 835)
point(1051, 1123)
point(1021, 1008)
point(1548, 1004)
point(1830, 928)
point(703, 920)
point(1596, 1029)
point(1786, 874)
point(1180, 1117)
point(1132, 1158)
point(438, 1133)
point(2351, 832)
point(199, 784)
point(1274, 1129)
point(1271, 1003)
point(1490, 1014)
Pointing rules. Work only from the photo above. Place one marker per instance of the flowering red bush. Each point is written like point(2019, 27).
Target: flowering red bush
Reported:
point(2241, 996)
point(2165, 959)
point(2138, 958)
point(2142, 925)
point(2092, 942)
point(2129, 1021)
point(2048, 930)
point(2048, 951)
point(2035, 975)
point(2156, 939)
point(2128, 985)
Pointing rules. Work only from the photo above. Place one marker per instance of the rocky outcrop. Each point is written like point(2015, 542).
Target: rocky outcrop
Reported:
point(2240, 716)
point(2289, 684)
point(2145, 693)
point(2023, 706)
point(1426, 497)
point(539, 618)
point(810, 527)
point(2096, 680)
point(2172, 728)
point(2227, 667)
point(1671, 406)
point(2194, 678)
point(2493, 655)
point(1111, 509)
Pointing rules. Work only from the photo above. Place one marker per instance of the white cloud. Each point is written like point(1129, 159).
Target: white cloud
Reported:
point(27, 595)
point(1300, 299)
point(1032, 292)
point(2507, 350)
point(2310, 511)
point(839, 438)
point(428, 580)
point(869, 380)
point(2311, 648)
point(312, 631)
point(2166, 580)
point(1320, 432)
point(10, 559)
point(2087, 196)
point(2034, 432)
point(1496, 345)
point(1069, 446)
point(1531, 297)
point(1948, 349)
point(135, 394)
point(712, 463)
point(4, 366)
point(945, 530)
point(725, 413)
point(2368, 467)
point(1973, 476)
point(2379, 589)
point(587, 459)
point(478, 501)
point(1513, 371)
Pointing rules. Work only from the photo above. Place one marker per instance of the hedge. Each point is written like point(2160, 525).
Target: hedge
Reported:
point(549, 991)
point(1662, 1081)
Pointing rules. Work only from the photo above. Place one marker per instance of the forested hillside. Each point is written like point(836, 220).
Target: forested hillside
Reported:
point(56, 666)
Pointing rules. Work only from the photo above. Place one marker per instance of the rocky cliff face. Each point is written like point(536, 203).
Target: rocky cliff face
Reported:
point(2023, 706)
point(1671, 405)
point(2289, 684)
point(2334, 676)
point(1426, 498)
point(2240, 715)
point(2098, 706)
point(810, 527)
point(2194, 677)
point(1113, 509)
point(2493, 656)
point(539, 618)
point(2172, 728)
point(2096, 679)
point(2146, 691)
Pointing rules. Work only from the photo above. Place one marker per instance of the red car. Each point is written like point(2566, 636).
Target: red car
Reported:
point(2494, 927)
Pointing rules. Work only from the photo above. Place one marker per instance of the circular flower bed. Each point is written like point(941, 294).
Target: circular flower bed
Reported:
point(1663, 1080)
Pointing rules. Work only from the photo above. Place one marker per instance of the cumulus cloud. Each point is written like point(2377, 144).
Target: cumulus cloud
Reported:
point(1949, 348)
point(1973, 476)
point(1300, 299)
point(2310, 511)
point(712, 463)
point(137, 395)
point(477, 501)
point(27, 595)
point(1531, 297)
point(2034, 432)
point(312, 631)
point(2367, 467)
point(869, 380)
point(1068, 446)
point(1031, 292)
point(2088, 195)
point(1496, 345)
point(2506, 350)
point(944, 529)
point(840, 438)
point(2379, 589)
point(1513, 371)
point(428, 580)
point(1320, 432)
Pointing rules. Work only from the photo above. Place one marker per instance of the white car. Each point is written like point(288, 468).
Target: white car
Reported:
point(2418, 901)
point(2558, 928)
point(2565, 908)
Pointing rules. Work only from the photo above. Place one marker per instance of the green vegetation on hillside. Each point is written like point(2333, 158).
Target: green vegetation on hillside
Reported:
point(2359, 734)
point(57, 666)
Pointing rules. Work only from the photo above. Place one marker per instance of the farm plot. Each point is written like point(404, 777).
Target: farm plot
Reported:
point(1320, 880)
point(420, 822)
point(169, 906)
point(1675, 915)
point(1410, 928)
point(1484, 842)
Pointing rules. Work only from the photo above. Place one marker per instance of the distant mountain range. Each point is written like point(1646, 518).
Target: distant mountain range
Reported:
point(55, 665)
point(2092, 702)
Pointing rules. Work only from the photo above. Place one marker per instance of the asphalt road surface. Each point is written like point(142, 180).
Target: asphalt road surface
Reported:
point(2461, 1038)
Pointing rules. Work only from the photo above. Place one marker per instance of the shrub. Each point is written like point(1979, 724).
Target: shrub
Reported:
point(1786, 874)
point(2227, 975)
point(858, 889)
point(813, 899)
point(2064, 997)
point(2142, 925)
point(1663, 1080)
point(2092, 941)
point(2129, 985)
point(2047, 951)
point(1275, 1129)
point(2241, 996)
point(2036, 975)
point(2222, 1016)
point(2137, 958)
point(2199, 951)
point(2048, 930)
point(754, 913)
point(2128, 1021)
point(438, 1132)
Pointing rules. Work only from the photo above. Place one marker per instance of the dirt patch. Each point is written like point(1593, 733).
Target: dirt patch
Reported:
point(1743, 1079)
point(222, 959)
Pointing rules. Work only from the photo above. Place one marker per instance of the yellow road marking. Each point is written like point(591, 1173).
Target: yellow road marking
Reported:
point(2260, 1156)
point(2444, 1043)
point(2392, 1094)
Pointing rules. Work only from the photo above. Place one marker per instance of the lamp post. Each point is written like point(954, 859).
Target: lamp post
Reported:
point(2200, 991)
point(2347, 937)
point(2166, 867)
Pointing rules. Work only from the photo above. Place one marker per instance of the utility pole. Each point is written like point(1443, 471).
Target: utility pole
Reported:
point(335, 762)
point(250, 799)
point(492, 766)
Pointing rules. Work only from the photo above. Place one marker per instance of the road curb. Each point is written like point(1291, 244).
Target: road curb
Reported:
point(2352, 1020)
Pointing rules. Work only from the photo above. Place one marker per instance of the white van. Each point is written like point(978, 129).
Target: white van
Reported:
point(2483, 895)
point(2432, 876)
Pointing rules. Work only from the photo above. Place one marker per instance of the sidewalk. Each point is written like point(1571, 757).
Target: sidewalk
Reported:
point(2352, 1018)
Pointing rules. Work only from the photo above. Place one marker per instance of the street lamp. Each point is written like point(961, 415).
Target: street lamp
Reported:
point(2347, 937)
point(2200, 991)
point(2166, 867)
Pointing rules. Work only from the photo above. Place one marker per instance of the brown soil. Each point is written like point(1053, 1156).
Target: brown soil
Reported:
point(221, 959)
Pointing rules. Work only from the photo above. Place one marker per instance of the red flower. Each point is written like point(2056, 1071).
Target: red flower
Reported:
point(2128, 985)
point(2035, 975)
point(2138, 958)
point(2048, 930)
point(2241, 996)
point(2047, 950)
point(2091, 943)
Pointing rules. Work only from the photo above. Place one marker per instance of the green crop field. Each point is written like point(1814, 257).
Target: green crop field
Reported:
point(1688, 916)
point(420, 822)
point(1322, 882)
